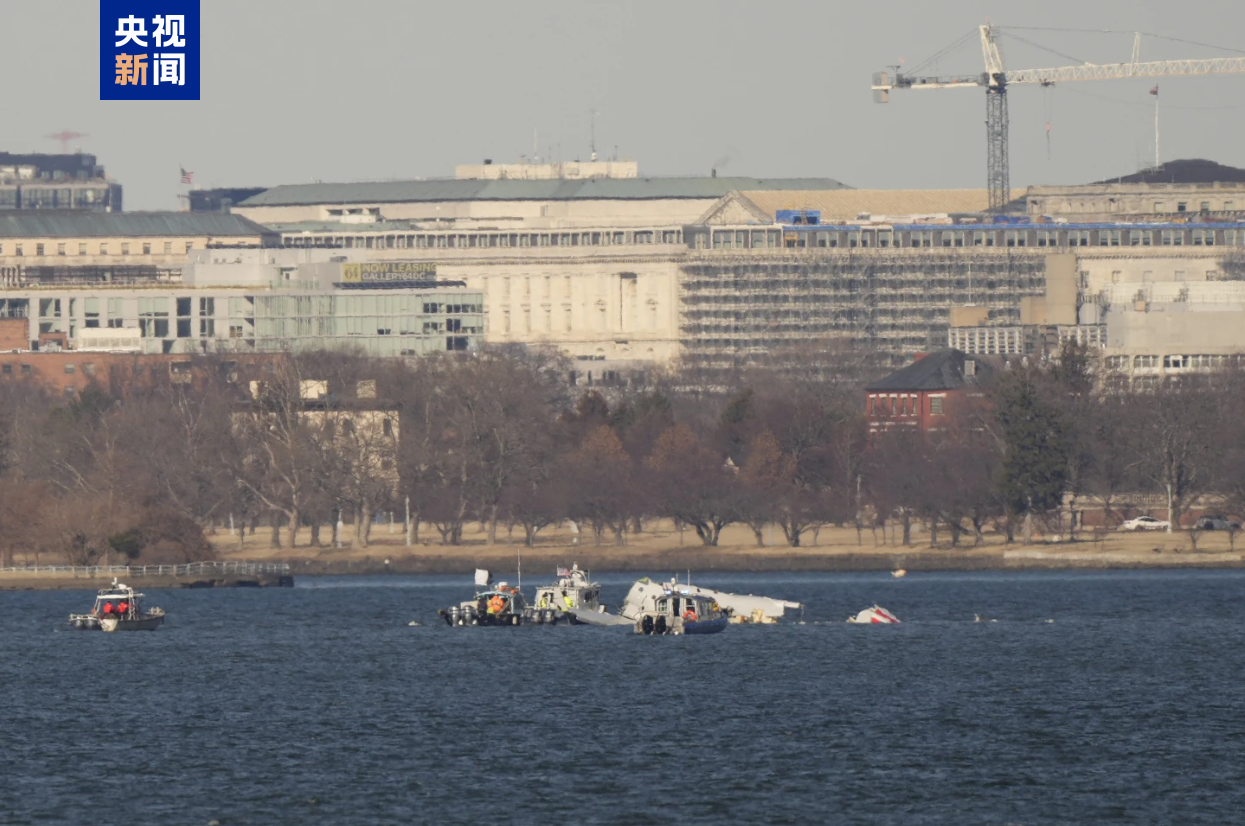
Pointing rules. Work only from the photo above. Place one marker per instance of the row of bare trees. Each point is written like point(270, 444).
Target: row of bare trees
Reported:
point(499, 437)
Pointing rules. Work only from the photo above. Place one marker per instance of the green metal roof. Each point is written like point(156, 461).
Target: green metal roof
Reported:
point(388, 192)
point(40, 224)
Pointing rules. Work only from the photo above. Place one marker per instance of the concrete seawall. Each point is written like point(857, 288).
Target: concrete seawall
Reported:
point(609, 559)
point(69, 582)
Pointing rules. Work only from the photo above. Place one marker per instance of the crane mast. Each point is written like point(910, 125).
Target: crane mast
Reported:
point(996, 79)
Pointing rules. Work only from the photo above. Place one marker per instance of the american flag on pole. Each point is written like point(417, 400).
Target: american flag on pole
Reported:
point(1155, 90)
point(187, 177)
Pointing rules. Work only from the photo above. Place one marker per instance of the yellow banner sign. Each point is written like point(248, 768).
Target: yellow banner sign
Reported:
point(388, 271)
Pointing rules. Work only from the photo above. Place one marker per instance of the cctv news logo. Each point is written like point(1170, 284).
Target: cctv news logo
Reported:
point(149, 50)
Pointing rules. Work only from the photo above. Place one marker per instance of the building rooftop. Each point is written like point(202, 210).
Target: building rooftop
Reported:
point(839, 204)
point(380, 192)
point(1189, 171)
point(47, 224)
point(943, 370)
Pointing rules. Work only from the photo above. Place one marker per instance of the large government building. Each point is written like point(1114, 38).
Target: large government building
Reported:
point(612, 267)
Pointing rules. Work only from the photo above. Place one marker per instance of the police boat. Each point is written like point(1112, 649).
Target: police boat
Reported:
point(118, 608)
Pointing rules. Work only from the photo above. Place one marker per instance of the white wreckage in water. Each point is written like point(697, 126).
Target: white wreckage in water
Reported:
point(742, 607)
point(877, 615)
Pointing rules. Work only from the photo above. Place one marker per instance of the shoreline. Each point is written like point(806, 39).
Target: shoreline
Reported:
point(608, 560)
point(540, 562)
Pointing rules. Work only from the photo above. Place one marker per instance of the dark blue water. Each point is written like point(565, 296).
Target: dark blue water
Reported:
point(319, 705)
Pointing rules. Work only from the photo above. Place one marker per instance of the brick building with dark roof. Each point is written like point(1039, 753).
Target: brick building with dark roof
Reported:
point(928, 393)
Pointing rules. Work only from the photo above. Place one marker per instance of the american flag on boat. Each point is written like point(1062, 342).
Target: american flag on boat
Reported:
point(564, 571)
point(187, 177)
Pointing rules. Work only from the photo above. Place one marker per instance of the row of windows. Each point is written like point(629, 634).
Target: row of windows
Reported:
point(902, 404)
point(1174, 362)
point(487, 240)
point(1114, 205)
point(20, 249)
point(883, 238)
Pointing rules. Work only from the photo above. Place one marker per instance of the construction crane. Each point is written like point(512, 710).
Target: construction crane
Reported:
point(65, 136)
point(997, 78)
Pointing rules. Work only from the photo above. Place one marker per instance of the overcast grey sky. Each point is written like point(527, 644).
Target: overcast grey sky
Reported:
point(300, 90)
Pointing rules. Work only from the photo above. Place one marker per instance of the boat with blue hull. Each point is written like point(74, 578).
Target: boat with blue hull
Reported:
point(676, 612)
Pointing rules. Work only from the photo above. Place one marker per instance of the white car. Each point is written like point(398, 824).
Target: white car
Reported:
point(1145, 523)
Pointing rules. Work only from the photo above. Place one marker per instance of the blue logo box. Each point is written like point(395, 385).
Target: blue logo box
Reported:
point(149, 49)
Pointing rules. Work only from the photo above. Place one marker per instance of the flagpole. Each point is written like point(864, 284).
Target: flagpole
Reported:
point(1156, 128)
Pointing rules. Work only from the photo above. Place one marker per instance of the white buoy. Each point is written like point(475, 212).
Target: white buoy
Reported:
point(899, 573)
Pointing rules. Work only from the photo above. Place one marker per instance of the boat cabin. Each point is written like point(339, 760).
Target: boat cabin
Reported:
point(690, 607)
point(573, 590)
point(502, 600)
point(119, 601)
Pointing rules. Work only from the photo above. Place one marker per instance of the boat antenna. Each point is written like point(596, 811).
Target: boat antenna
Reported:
point(519, 553)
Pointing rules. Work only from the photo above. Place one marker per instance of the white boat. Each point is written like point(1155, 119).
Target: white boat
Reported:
point(676, 612)
point(118, 608)
point(572, 595)
point(877, 615)
point(740, 605)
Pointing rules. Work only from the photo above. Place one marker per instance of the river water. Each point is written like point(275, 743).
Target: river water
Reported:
point(320, 705)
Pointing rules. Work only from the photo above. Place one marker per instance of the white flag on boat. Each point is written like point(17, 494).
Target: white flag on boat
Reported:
point(483, 577)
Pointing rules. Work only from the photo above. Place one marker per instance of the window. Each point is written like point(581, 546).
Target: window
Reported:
point(1139, 238)
point(18, 250)
point(103, 249)
point(82, 248)
point(1117, 362)
point(60, 248)
point(1205, 206)
point(935, 405)
point(25, 369)
point(125, 249)
point(168, 247)
point(7, 369)
point(146, 249)
point(1182, 206)
point(1173, 237)
point(69, 368)
point(1145, 361)
point(1173, 362)
point(38, 249)
point(189, 246)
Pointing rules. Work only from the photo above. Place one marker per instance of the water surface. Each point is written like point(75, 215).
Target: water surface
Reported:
point(320, 705)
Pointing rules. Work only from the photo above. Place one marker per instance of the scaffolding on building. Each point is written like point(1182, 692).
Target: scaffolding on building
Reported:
point(740, 307)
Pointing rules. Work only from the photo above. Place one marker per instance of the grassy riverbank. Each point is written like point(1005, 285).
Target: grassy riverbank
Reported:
point(661, 549)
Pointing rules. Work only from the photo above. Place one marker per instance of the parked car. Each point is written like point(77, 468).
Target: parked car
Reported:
point(1145, 523)
point(1217, 523)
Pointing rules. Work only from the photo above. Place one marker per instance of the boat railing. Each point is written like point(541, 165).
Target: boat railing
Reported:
point(185, 569)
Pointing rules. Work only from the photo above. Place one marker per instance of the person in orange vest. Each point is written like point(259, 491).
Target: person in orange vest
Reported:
point(107, 607)
point(123, 607)
point(690, 614)
point(496, 604)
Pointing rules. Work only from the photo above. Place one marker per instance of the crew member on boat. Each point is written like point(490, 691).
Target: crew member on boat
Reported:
point(497, 604)
point(690, 614)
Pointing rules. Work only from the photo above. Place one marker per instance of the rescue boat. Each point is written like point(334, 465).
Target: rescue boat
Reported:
point(118, 608)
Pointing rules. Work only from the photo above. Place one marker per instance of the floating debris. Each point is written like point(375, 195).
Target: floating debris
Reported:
point(877, 615)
